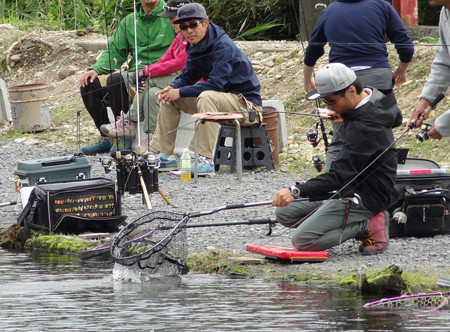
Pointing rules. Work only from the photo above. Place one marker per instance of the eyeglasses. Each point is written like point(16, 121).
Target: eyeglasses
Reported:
point(332, 102)
point(191, 25)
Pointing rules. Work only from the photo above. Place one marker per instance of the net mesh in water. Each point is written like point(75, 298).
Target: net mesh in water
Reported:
point(430, 301)
point(152, 241)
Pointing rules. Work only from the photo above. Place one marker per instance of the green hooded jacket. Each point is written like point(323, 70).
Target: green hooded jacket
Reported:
point(154, 37)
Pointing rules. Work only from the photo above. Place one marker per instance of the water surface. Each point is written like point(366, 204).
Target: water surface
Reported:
point(46, 292)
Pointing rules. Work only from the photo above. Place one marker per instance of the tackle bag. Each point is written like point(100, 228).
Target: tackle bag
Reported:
point(73, 207)
point(421, 203)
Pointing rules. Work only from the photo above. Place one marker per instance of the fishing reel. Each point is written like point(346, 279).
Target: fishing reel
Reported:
point(132, 170)
point(318, 163)
point(312, 136)
point(423, 133)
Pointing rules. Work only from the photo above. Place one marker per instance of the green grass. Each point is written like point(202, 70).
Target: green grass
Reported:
point(59, 243)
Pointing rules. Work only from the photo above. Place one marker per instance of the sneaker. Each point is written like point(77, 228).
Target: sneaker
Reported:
point(167, 163)
point(377, 240)
point(121, 144)
point(101, 146)
point(121, 128)
point(205, 166)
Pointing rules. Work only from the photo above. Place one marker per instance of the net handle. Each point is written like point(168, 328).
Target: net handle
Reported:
point(237, 206)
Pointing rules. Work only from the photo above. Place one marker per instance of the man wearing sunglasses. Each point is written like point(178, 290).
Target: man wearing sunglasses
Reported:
point(365, 168)
point(229, 85)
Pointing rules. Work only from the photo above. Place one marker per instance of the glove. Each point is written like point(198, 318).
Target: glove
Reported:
point(141, 77)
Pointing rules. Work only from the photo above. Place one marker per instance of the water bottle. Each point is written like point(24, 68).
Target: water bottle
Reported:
point(185, 165)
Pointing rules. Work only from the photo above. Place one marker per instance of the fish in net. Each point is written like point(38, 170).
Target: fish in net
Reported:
point(430, 301)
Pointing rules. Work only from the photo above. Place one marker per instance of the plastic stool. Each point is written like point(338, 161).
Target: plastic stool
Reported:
point(255, 147)
point(221, 118)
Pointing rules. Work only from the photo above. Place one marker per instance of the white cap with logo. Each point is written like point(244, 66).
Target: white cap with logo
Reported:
point(330, 79)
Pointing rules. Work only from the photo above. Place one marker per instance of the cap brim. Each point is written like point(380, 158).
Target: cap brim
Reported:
point(313, 95)
point(186, 19)
point(167, 14)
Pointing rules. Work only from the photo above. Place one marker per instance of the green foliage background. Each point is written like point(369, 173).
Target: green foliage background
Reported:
point(242, 19)
point(428, 15)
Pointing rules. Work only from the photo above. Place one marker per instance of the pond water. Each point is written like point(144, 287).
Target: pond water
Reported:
point(46, 292)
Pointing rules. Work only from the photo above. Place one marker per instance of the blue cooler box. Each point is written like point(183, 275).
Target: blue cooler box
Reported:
point(55, 169)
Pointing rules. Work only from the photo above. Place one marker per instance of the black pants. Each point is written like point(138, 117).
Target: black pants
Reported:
point(96, 98)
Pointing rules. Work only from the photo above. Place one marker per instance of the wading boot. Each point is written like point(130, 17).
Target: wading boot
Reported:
point(377, 239)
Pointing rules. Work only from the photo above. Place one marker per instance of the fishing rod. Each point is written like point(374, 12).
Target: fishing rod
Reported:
point(137, 74)
point(106, 248)
point(151, 234)
point(7, 204)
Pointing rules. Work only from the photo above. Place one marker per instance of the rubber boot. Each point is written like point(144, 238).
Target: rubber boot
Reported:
point(377, 239)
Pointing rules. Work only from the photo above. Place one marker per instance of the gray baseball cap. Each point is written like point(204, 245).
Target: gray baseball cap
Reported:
point(190, 11)
point(330, 79)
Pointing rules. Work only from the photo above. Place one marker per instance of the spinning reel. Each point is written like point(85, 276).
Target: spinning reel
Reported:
point(422, 135)
point(135, 173)
point(313, 137)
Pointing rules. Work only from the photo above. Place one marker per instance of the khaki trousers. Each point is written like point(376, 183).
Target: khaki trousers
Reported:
point(207, 102)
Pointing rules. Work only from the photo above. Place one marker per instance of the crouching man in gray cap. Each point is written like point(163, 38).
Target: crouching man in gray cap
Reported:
point(364, 169)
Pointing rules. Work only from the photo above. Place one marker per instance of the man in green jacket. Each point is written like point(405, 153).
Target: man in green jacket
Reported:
point(154, 35)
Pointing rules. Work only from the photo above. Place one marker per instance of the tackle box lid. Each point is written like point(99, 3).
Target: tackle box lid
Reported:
point(62, 163)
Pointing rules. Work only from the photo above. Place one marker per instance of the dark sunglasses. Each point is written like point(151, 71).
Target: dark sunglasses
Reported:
point(191, 25)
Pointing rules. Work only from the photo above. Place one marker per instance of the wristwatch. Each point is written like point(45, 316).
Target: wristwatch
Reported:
point(295, 191)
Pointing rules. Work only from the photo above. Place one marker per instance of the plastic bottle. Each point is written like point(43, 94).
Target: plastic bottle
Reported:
point(185, 165)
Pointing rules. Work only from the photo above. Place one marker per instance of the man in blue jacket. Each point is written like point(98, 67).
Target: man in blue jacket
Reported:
point(365, 167)
point(355, 31)
point(217, 78)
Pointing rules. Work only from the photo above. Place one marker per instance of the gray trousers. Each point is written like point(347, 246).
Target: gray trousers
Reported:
point(148, 102)
point(322, 229)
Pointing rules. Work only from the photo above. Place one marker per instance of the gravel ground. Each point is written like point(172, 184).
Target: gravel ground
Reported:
point(411, 254)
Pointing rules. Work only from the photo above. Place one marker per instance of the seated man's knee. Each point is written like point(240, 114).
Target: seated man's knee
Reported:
point(114, 78)
point(206, 97)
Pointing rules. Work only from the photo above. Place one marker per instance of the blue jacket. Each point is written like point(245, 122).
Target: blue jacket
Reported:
point(221, 64)
point(355, 31)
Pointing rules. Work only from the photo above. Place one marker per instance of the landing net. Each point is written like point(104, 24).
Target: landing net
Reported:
point(153, 241)
point(430, 301)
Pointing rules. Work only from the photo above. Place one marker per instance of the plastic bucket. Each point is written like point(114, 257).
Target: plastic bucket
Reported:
point(29, 108)
point(270, 118)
